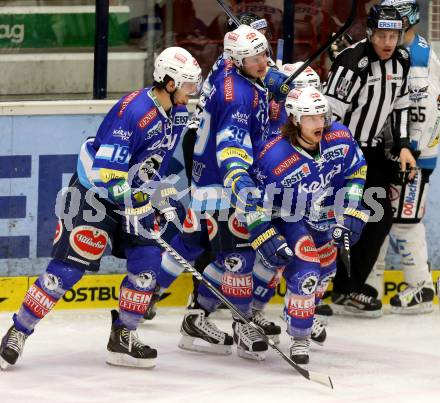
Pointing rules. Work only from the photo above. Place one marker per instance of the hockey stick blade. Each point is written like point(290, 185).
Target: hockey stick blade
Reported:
point(345, 254)
point(323, 48)
point(312, 376)
point(228, 12)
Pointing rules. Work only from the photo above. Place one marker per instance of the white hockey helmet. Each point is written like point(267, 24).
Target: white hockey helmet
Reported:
point(180, 65)
point(307, 101)
point(244, 42)
point(306, 78)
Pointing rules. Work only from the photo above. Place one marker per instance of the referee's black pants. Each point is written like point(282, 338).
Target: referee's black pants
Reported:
point(364, 254)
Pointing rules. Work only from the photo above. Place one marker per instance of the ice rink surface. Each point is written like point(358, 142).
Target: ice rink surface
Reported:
point(390, 359)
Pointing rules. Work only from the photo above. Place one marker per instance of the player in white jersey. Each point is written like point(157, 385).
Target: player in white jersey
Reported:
point(408, 198)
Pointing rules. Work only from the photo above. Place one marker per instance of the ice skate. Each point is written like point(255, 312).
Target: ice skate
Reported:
point(299, 350)
point(126, 350)
point(250, 344)
point(413, 300)
point(11, 347)
point(319, 333)
point(338, 303)
point(202, 335)
point(360, 304)
point(270, 329)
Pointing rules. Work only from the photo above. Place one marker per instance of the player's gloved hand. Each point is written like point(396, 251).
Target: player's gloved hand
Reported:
point(351, 225)
point(139, 221)
point(168, 208)
point(174, 211)
point(339, 45)
point(274, 83)
point(270, 245)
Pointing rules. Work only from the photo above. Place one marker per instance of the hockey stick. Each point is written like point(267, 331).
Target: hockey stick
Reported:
point(285, 86)
point(228, 12)
point(280, 50)
point(312, 376)
point(345, 254)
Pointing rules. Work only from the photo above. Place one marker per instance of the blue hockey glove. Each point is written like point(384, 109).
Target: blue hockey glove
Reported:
point(274, 83)
point(352, 226)
point(139, 221)
point(270, 245)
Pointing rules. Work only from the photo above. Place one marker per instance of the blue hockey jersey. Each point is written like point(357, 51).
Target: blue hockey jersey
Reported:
point(232, 127)
point(307, 187)
point(133, 146)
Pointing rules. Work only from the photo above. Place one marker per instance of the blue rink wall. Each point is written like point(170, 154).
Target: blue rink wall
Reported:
point(37, 157)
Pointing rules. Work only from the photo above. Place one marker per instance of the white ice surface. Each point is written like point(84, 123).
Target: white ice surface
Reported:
point(390, 359)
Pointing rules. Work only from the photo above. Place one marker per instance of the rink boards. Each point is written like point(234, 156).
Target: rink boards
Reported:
point(101, 291)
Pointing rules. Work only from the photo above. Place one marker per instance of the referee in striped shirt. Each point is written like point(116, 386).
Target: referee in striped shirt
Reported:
point(367, 83)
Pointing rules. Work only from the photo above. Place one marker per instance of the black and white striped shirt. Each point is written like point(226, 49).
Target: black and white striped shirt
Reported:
point(363, 91)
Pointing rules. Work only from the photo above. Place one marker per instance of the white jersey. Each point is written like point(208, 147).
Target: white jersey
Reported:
point(424, 87)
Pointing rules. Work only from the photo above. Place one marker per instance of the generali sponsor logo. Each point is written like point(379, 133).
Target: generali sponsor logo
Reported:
point(269, 145)
point(255, 100)
point(126, 101)
point(229, 89)
point(274, 110)
point(148, 118)
point(286, 164)
point(88, 242)
point(337, 134)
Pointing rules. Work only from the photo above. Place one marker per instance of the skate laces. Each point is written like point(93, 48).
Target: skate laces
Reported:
point(300, 347)
point(209, 327)
point(317, 327)
point(133, 339)
point(412, 292)
point(247, 332)
point(16, 340)
point(259, 319)
point(366, 299)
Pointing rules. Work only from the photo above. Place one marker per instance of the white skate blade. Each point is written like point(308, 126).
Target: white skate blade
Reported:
point(362, 314)
point(251, 355)
point(424, 307)
point(202, 346)
point(4, 364)
point(125, 360)
point(337, 309)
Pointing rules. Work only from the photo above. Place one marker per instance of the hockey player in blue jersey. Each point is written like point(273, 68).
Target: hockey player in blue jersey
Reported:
point(222, 63)
point(319, 173)
point(116, 206)
point(266, 280)
point(232, 127)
